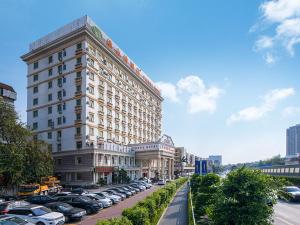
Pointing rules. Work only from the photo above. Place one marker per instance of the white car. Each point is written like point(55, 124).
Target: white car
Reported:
point(106, 202)
point(39, 215)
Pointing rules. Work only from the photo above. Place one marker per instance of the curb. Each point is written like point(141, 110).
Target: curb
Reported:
point(164, 212)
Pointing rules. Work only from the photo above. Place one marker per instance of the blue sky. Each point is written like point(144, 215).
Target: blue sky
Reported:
point(229, 70)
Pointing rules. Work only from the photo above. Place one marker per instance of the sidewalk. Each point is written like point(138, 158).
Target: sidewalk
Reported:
point(177, 212)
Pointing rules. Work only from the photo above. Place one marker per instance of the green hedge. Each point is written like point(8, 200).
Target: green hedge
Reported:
point(149, 210)
point(191, 220)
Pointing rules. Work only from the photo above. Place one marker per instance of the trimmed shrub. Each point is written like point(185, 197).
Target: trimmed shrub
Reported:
point(115, 221)
point(149, 203)
point(137, 215)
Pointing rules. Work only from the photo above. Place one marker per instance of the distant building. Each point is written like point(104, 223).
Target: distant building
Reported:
point(216, 159)
point(293, 140)
point(7, 93)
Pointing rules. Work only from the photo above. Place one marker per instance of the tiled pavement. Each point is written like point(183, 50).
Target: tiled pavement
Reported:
point(116, 210)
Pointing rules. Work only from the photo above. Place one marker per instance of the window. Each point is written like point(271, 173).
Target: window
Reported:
point(91, 117)
point(91, 103)
point(59, 108)
point(50, 110)
point(78, 160)
point(64, 119)
point(59, 56)
point(49, 97)
point(64, 92)
point(78, 102)
point(35, 126)
point(78, 130)
point(92, 76)
point(64, 52)
point(78, 60)
point(50, 59)
point(59, 147)
point(91, 90)
point(59, 69)
point(35, 65)
point(35, 89)
point(78, 88)
point(64, 67)
point(59, 121)
point(50, 84)
point(50, 72)
point(58, 161)
point(78, 74)
point(78, 144)
point(64, 79)
point(49, 135)
point(91, 131)
point(64, 106)
point(59, 82)
point(35, 77)
point(79, 46)
point(59, 95)
point(35, 113)
point(58, 134)
point(50, 123)
point(78, 116)
point(35, 101)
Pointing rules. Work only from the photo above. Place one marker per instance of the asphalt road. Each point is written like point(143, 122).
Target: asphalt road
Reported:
point(287, 213)
point(177, 212)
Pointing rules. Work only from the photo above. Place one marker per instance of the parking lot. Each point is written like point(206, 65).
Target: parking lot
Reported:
point(116, 210)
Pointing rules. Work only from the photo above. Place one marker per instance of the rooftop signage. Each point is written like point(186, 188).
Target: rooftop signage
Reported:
point(87, 22)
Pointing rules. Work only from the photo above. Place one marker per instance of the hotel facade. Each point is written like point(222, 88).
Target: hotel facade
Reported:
point(92, 105)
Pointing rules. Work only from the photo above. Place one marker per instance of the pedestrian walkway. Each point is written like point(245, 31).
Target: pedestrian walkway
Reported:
point(177, 212)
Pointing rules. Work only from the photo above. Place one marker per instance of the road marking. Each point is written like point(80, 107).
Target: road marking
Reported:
point(283, 220)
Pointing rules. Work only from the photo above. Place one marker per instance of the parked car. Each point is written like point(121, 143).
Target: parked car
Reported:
point(128, 189)
point(83, 202)
point(64, 193)
point(13, 220)
point(8, 197)
point(145, 184)
point(39, 215)
point(136, 190)
point(40, 199)
point(114, 198)
point(293, 192)
point(112, 192)
point(126, 193)
point(6, 206)
point(79, 191)
point(137, 185)
point(69, 211)
point(106, 202)
point(161, 182)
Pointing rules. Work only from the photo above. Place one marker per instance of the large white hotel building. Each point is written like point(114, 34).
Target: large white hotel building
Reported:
point(89, 101)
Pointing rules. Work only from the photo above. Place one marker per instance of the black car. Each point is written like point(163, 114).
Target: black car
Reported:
point(40, 199)
point(79, 191)
point(83, 202)
point(69, 211)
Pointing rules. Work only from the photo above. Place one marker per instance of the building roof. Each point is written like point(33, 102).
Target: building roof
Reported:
point(7, 87)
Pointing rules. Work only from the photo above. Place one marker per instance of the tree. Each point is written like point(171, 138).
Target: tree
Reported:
point(242, 198)
point(22, 159)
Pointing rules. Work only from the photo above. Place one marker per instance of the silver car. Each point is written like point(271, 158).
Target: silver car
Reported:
point(106, 202)
point(114, 198)
point(13, 220)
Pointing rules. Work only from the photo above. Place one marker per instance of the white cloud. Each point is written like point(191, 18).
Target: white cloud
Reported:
point(269, 58)
point(270, 100)
point(284, 17)
point(168, 91)
point(290, 111)
point(199, 97)
point(278, 10)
